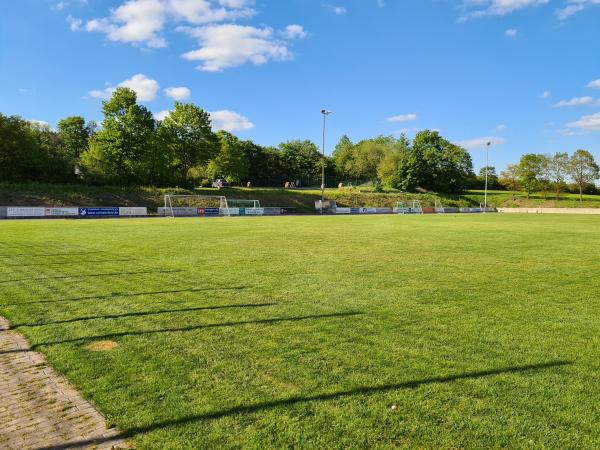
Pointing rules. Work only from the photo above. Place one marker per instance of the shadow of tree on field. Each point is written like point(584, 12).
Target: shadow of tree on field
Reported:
point(112, 274)
point(361, 390)
point(197, 327)
point(116, 295)
point(65, 263)
point(141, 313)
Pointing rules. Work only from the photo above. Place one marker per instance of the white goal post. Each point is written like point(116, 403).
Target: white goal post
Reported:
point(208, 205)
point(195, 205)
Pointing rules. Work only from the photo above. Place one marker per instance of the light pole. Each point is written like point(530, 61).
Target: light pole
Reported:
point(325, 113)
point(487, 169)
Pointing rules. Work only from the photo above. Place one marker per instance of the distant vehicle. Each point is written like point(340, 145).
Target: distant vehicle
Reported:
point(220, 183)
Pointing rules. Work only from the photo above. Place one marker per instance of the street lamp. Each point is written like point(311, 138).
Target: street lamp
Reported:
point(325, 113)
point(487, 168)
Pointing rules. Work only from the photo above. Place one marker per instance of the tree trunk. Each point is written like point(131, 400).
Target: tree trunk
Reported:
point(580, 193)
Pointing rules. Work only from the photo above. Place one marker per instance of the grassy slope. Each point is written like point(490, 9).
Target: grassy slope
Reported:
point(304, 331)
point(34, 194)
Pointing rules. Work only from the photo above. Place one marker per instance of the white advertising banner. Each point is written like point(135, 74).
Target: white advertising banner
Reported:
point(343, 210)
point(61, 212)
point(133, 211)
point(25, 211)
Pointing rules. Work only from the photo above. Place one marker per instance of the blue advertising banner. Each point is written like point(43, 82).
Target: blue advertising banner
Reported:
point(95, 212)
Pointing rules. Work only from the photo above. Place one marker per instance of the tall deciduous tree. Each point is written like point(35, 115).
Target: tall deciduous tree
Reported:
point(74, 134)
point(583, 169)
point(558, 170)
point(231, 162)
point(187, 136)
point(530, 171)
point(124, 149)
point(509, 178)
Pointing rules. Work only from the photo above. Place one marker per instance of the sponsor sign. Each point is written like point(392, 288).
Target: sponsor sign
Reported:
point(133, 211)
point(354, 210)
point(2, 211)
point(25, 211)
point(229, 211)
point(384, 210)
point(255, 211)
point(179, 211)
point(61, 212)
point(368, 210)
point(339, 210)
point(98, 212)
point(271, 211)
point(209, 212)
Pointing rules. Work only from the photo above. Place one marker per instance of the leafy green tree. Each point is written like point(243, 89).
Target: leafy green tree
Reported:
point(301, 161)
point(583, 169)
point(186, 135)
point(124, 150)
point(74, 134)
point(231, 162)
point(343, 157)
point(367, 157)
point(492, 177)
point(530, 171)
point(387, 171)
point(509, 178)
point(264, 164)
point(557, 171)
point(436, 164)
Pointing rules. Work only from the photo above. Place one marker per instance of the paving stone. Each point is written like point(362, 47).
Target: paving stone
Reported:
point(39, 408)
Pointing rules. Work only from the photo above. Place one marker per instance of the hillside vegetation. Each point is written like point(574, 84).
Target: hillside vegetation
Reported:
point(39, 194)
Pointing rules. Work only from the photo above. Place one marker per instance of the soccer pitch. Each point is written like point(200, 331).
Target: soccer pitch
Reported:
point(471, 331)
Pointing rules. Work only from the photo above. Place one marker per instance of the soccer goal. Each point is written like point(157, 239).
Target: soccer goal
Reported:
point(245, 207)
point(413, 207)
point(194, 205)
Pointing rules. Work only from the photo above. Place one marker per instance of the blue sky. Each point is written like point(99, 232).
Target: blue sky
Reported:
point(523, 74)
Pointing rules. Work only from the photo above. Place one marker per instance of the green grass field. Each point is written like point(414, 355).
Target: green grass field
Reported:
point(472, 331)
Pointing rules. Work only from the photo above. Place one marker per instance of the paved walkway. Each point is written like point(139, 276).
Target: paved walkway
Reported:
point(39, 408)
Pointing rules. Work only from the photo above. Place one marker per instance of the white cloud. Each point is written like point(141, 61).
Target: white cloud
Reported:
point(588, 123)
point(577, 101)
point(142, 21)
point(178, 93)
point(402, 118)
point(145, 88)
point(501, 127)
point(135, 21)
point(230, 121)
point(74, 24)
point(225, 46)
point(161, 115)
point(511, 33)
point(482, 8)
point(479, 143)
point(572, 7)
point(546, 94)
point(594, 84)
point(294, 32)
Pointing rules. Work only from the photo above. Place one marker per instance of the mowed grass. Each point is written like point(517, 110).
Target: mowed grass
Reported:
point(473, 331)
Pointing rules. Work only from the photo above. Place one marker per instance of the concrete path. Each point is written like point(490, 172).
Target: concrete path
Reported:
point(39, 408)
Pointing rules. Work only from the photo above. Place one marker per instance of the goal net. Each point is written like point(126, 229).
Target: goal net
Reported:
point(194, 205)
point(245, 207)
point(413, 207)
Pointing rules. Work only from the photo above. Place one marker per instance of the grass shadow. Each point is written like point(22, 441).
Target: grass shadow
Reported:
point(361, 390)
point(196, 327)
point(93, 275)
point(126, 294)
point(142, 313)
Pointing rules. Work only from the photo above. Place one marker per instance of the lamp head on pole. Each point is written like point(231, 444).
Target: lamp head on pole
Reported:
point(326, 112)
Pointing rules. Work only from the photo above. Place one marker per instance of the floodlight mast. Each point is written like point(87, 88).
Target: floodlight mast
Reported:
point(487, 168)
point(325, 113)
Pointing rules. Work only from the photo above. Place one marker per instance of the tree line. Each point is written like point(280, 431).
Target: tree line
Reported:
point(556, 173)
point(131, 147)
